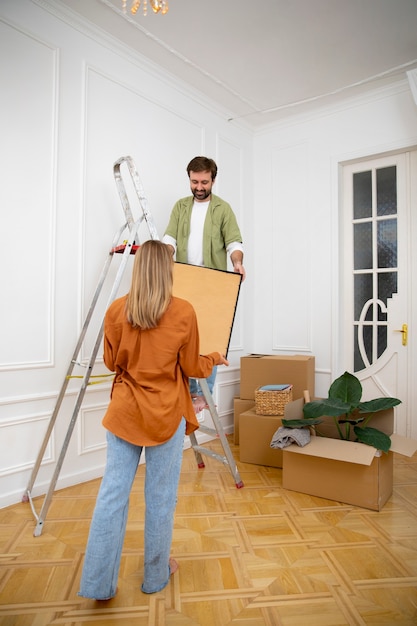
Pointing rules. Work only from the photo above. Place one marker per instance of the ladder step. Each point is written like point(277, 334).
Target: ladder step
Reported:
point(120, 249)
point(208, 431)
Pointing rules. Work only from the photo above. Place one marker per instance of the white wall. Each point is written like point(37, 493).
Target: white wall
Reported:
point(297, 230)
point(72, 103)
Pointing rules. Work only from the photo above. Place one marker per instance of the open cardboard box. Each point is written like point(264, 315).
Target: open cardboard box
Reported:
point(345, 471)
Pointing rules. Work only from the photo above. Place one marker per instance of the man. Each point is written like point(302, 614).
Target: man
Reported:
point(203, 230)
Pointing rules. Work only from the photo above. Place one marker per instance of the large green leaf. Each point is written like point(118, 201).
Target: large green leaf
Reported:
point(373, 437)
point(301, 423)
point(346, 388)
point(352, 419)
point(328, 406)
point(379, 404)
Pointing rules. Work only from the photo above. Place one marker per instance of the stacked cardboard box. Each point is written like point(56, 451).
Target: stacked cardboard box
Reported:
point(256, 432)
point(240, 406)
point(253, 433)
point(276, 369)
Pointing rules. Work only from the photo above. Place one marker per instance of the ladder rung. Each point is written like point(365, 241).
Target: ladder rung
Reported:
point(208, 431)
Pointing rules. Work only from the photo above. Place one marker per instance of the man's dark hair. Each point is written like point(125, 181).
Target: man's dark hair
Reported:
point(202, 164)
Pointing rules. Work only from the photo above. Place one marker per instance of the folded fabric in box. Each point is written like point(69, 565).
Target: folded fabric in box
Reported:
point(284, 437)
point(271, 399)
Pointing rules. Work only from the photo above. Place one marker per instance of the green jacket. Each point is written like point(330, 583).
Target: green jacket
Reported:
point(220, 229)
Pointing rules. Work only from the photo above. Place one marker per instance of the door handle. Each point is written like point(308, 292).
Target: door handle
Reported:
point(404, 331)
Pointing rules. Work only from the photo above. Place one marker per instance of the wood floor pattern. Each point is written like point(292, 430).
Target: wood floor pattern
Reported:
point(257, 556)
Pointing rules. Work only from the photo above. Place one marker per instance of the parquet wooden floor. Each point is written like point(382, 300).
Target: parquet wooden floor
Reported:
point(258, 556)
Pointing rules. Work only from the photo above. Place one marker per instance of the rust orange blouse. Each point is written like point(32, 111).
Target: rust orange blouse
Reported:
point(150, 391)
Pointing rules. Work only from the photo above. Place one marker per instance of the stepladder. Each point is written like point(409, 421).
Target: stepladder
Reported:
point(80, 369)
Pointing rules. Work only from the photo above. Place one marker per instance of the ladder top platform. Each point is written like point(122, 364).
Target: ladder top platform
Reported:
point(120, 249)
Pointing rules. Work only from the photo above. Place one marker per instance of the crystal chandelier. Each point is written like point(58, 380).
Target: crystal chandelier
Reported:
point(157, 6)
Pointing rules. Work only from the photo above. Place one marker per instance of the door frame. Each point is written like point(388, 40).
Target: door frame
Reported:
point(407, 423)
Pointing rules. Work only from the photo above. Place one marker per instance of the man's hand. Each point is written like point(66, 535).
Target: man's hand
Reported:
point(237, 259)
point(239, 269)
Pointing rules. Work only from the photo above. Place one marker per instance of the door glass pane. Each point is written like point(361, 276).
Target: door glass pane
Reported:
point(366, 333)
point(358, 364)
point(387, 243)
point(363, 293)
point(386, 194)
point(382, 340)
point(362, 243)
point(362, 195)
point(387, 285)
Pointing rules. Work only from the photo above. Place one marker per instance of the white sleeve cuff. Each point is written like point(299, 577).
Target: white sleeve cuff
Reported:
point(170, 240)
point(235, 245)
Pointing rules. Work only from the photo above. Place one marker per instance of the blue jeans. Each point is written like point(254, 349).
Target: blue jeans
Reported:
point(195, 388)
point(108, 526)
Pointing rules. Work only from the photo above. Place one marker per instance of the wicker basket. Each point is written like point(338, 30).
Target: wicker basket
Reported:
point(271, 401)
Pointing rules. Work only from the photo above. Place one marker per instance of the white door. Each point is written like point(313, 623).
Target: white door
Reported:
point(378, 293)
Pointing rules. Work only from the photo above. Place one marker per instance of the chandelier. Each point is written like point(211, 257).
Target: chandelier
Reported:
point(157, 6)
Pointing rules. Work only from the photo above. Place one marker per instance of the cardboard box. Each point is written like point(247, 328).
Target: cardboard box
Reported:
point(367, 486)
point(239, 406)
point(345, 471)
point(255, 434)
point(263, 369)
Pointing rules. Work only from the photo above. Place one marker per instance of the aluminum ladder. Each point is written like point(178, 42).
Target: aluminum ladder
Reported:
point(126, 248)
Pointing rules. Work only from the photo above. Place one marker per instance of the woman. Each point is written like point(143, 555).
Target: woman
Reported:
point(151, 342)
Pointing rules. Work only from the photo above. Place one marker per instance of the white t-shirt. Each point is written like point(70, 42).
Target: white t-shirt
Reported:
point(195, 240)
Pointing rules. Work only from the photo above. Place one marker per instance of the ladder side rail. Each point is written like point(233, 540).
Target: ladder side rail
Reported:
point(124, 261)
point(146, 215)
point(122, 191)
point(97, 292)
point(72, 363)
point(60, 461)
point(196, 449)
point(82, 390)
point(219, 428)
point(142, 198)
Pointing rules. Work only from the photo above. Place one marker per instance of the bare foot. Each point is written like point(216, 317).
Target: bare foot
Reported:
point(199, 403)
point(173, 565)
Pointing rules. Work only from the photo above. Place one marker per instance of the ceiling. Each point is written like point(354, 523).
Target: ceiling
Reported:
point(266, 59)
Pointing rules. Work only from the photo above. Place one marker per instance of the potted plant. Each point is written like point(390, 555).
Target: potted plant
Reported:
point(348, 412)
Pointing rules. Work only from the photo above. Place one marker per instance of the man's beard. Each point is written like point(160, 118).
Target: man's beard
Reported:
point(202, 195)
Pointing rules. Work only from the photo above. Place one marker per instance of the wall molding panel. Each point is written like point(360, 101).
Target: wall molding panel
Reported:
point(91, 434)
point(29, 214)
point(291, 214)
point(17, 453)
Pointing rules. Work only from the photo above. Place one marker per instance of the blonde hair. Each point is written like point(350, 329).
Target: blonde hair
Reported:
point(151, 287)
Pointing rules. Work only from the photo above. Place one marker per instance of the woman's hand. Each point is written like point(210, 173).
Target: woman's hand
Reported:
point(223, 360)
